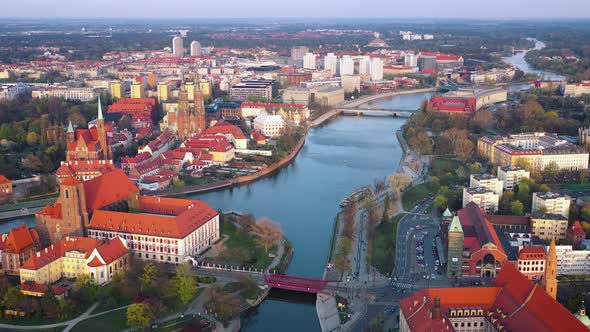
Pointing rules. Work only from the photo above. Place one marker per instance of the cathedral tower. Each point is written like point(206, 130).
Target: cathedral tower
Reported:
point(102, 134)
point(455, 249)
point(550, 278)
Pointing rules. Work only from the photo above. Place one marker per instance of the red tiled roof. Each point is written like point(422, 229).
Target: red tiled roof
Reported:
point(70, 181)
point(107, 189)
point(21, 238)
point(55, 251)
point(473, 217)
point(41, 288)
point(576, 230)
point(109, 252)
point(158, 216)
point(4, 180)
point(225, 128)
point(532, 253)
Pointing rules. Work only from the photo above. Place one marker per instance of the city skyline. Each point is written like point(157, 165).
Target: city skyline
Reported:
point(328, 8)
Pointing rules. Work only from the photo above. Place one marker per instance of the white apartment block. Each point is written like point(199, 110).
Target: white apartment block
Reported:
point(196, 48)
point(484, 198)
point(364, 65)
point(553, 203)
point(346, 65)
point(411, 60)
point(512, 175)
point(376, 69)
point(177, 47)
point(331, 63)
point(572, 262)
point(309, 61)
point(82, 94)
point(487, 181)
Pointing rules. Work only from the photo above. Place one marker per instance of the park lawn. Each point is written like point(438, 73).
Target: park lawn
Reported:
point(384, 245)
point(113, 321)
point(55, 329)
point(414, 195)
point(241, 250)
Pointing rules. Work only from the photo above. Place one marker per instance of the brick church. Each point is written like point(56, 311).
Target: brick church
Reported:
point(188, 119)
point(89, 144)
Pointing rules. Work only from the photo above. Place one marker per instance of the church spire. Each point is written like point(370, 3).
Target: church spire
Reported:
point(550, 280)
point(70, 128)
point(99, 109)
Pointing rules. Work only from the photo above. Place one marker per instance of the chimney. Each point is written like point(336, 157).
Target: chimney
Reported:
point(436, 311)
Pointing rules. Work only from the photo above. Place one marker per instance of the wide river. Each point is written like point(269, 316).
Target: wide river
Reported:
point(520, 62)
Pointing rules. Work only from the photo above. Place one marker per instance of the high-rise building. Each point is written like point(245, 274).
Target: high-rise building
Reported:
point(376, 69)
point(331, 63)
point(177, 47)
point(365, 65)
point(163, 92)
point(117, 89)
point(455, 249)
point(549, 282)
point(137, 90)
point(196, 48)
point(411, 60)
point(205, 87)
point(309, 61)
point(298, 52)
point(346, 65)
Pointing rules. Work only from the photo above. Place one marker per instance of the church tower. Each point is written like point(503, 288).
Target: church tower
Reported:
point(455, 249)
point(199, 110)
point(71, 134)
point(102, 134)
point(183, 116)
point(550, 279)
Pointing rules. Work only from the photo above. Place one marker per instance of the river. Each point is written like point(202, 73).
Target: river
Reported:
point(518, 61)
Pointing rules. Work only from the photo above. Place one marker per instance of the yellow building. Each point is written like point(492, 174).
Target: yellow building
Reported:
point(549, 226)
point(163, 92)
point(117, 89)
point(189, 87)
point(205, 87)
point(137, 90)
point(75, 256)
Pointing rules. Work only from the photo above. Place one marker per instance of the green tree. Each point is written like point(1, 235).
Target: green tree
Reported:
point(32, 138)
point(14, 299)
point(517, 208)
point(139, 315)
point(441, 201)
point(85, 289)
point(585, 213)
point(506, 200)
point(49, 303)
point(551, 171)
point(185, 283)
point(147, 280)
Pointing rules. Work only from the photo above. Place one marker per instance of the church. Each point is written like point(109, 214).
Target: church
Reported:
point(187, 120)
point(89, 144)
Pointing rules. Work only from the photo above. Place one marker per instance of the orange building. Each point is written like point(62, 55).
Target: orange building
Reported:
point(513, 304)
point(89, 144)
point(17, 246)
point(575, 233)
point(77, 201)
point(5, 187)
point(187, 120)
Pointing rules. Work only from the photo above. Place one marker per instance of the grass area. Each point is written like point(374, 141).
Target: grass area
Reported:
point(241, 249)
point(179, 323)
point(55, 329)
point(35, 321)
point(384, 245)
point(414, 195)
point(579, 187)
point(113, 321)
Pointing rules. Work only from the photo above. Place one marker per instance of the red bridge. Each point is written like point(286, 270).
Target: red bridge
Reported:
point(295, 283)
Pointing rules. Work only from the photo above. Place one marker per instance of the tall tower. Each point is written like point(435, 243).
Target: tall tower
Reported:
point(455, 249)
point(71, 134)
point(177, 47)
point(199, 110)
point(550, 279)
point(102, 134)
point(183, 115)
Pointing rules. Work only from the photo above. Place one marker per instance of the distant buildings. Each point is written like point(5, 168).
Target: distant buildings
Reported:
point(346, 65)
point(572, 262)
point(328, 95)
point(117, 89)
point(177, 47)
point(270, 125)
point(81, 94)
point(187, 120)
point(539, 150)
point(297, 52)
point(5, 187)
point(376, 69)
point(576, 89)
point(331, 63)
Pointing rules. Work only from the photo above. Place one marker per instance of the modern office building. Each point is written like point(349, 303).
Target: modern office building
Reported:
point(257, 88)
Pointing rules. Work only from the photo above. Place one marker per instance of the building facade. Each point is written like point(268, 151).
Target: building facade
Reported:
point(18, 245)
point(512, 175)
point(484, 198)
point(549, 226)
point(552, 203)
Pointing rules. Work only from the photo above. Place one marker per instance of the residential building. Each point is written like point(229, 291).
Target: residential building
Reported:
point(411, 60)
point(117, 89)
point(298, 52)
point(549, 226)
point(553, 203)
point(376, 69)
point(73, 257)
point(512, 175)
point(331, 63)
point(289, 112)
point(575, 233)
point(83, 169)
point(351, 83)
point(531, 262)
point(572, 262)
point(346, 65)
point(270, 125)
point(160, 229)
point(364, 66)
point(487, 181)
point(163, 91)
point(255, 88)
point(17, 246)
point(217, 146)
point(137, 90)
point(233, 133)
point(177, 47)
point(484, 198)
point(196, 48)
point(309, 61)
point(81, 94)
point(483, 97)
point(511, 303)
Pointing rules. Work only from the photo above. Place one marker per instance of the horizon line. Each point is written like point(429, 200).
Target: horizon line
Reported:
point(469, 18)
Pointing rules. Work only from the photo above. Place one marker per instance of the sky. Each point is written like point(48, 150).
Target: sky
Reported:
point(504, 9)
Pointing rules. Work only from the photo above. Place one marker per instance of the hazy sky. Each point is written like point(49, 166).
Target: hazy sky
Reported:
point(296, 8)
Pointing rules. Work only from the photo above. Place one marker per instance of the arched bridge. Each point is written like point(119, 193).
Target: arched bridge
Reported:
point(300, 284)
